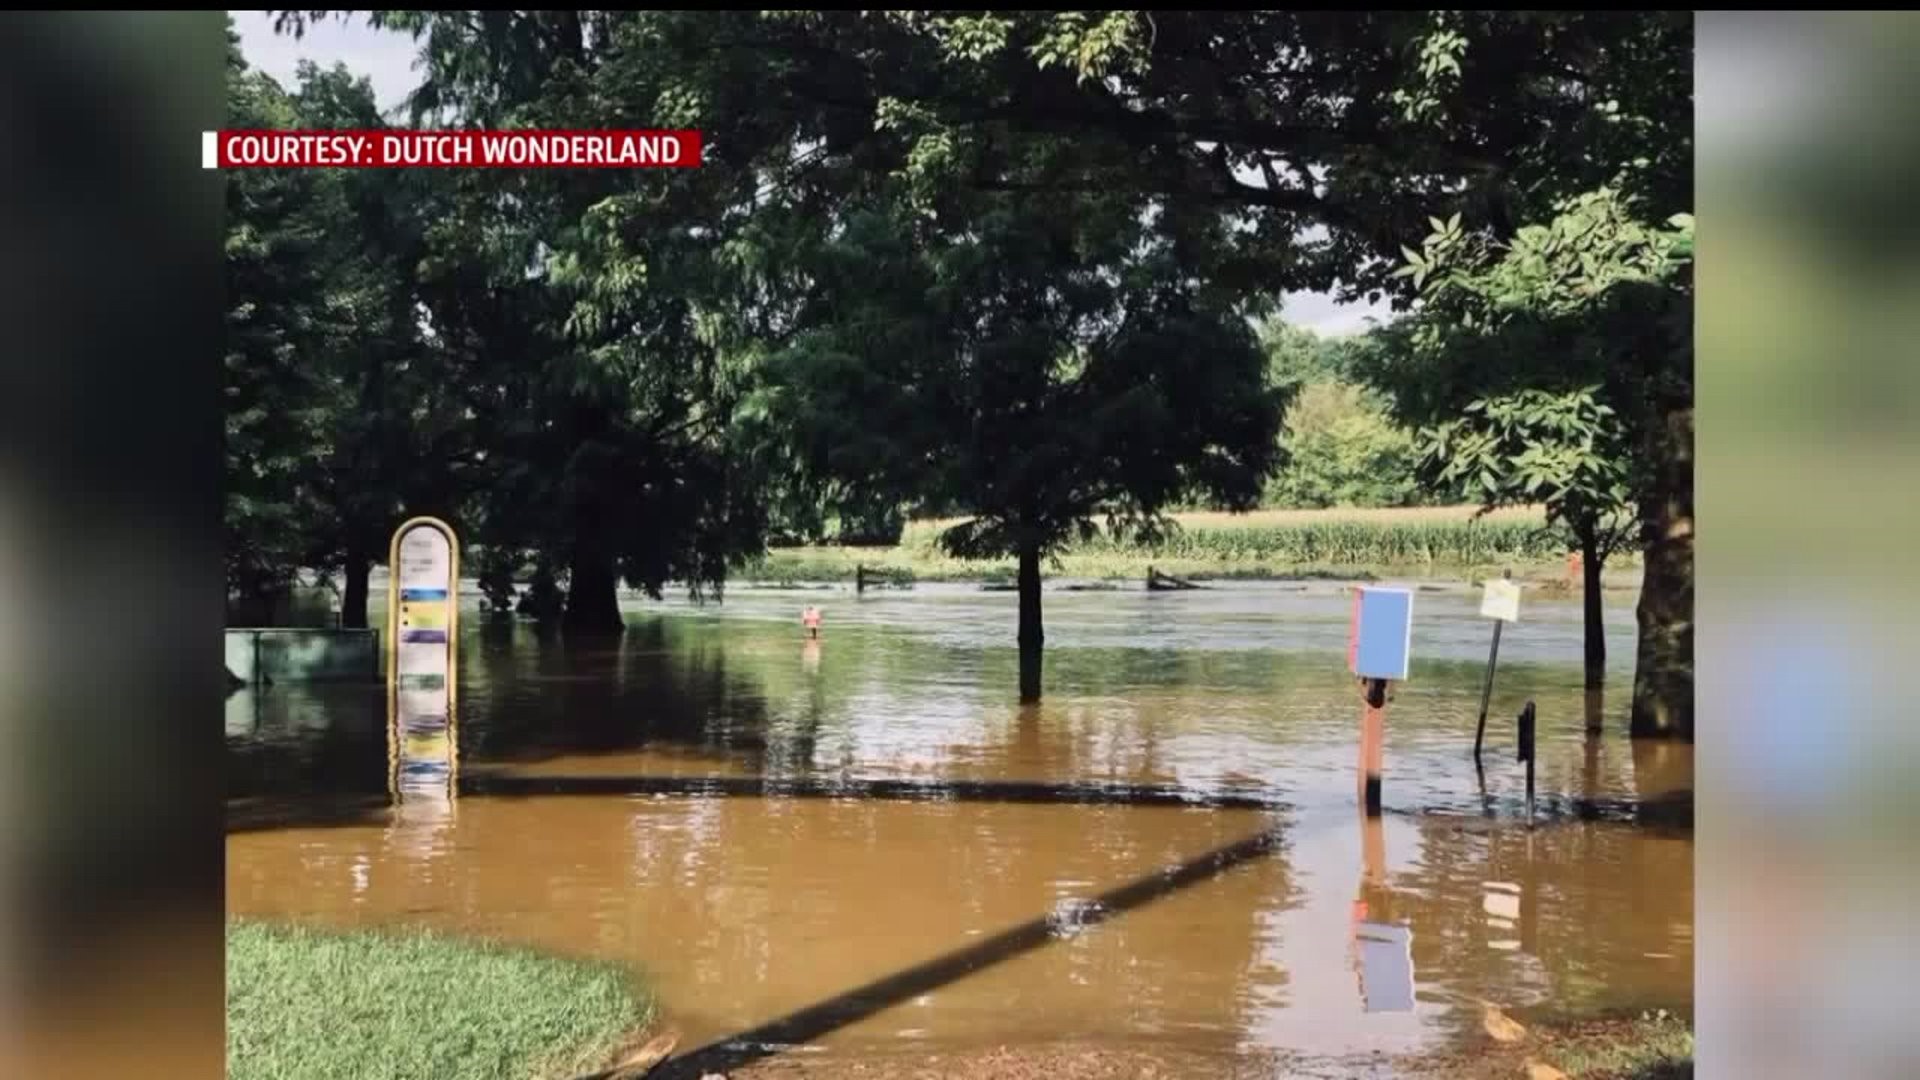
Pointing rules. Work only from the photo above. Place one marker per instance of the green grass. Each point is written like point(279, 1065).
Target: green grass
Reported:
point(1654, 1047)
point(1272, 544)
point(387, 1005)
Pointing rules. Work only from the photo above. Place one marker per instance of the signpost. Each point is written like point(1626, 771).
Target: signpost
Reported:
point(423, 608)
point(1379, 650)
point(1501, 603)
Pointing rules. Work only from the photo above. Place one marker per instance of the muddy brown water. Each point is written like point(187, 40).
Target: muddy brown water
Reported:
point(865, 845)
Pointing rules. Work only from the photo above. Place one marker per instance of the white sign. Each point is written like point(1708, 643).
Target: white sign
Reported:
point(424, 616)
point(426, 560)
point(1501, 601)
point(423, 624)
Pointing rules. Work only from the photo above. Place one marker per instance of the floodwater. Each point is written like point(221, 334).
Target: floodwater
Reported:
point(865, 844)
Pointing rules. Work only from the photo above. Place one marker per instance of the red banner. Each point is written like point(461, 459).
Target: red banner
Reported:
point(409, 149)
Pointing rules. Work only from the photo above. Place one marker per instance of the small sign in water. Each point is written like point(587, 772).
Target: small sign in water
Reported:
point(1501, 600)
point(1380, 641)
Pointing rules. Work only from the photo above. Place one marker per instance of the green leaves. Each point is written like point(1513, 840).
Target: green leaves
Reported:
point(1566, 450)
point(974, 37)
point(1093, 50)
point(1437, 74)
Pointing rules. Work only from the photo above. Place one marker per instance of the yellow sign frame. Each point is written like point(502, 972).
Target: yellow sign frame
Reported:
point(393, 647)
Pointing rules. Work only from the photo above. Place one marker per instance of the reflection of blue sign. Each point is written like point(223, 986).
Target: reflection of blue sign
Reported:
point(1382, 633)
point(1386, 967)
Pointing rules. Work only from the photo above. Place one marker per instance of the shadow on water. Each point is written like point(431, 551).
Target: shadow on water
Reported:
point(869, 790)
point(815, 1021)
point(271, 814)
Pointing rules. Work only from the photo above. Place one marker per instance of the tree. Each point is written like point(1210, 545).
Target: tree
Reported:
point(1342, 445)
point(1044, 367)
point(282, 324)
point(588, 312)
point(397, 441)
point(1344, 449)
point(1549, 369)
point(1564, 450)
point(340, 419)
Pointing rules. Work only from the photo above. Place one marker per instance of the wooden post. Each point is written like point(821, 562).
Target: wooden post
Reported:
point(1373, 852)
point(859, 578)
point(1372, 744)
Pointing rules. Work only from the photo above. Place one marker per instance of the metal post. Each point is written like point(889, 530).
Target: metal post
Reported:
point(1486, 691)
point(1526, 741)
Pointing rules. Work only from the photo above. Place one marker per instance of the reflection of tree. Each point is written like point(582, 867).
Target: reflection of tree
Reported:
point(1661, 768)
point(658, 686)
point(309, 739)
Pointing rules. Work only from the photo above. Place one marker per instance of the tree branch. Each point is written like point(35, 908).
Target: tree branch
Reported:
point(1304, 202)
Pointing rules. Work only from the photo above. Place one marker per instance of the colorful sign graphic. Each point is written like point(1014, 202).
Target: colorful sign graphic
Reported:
point(422, 625)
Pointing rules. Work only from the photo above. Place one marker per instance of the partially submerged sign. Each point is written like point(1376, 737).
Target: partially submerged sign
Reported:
point(1380, 637)
point(422, 631)
point(1501, 601)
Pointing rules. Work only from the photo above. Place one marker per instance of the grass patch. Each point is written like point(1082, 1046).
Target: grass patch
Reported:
point(1657, 1046)
point(390, 1005)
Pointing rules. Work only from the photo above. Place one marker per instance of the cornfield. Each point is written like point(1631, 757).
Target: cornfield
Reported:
point(1335, 537)
point(1401, 543)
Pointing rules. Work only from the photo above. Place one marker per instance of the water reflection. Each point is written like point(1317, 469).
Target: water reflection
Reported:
point(423, 764)
point(638, 805)
point(1383, 958)
point(306, 740)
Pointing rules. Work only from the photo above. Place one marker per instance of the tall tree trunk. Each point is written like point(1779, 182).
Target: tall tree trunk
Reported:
point(353, 605)
point(1663, 670)
point(593, 594)
point(1031, 636)
point(1596, 623)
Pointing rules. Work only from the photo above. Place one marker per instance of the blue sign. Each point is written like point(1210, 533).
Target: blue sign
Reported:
point(1381, 643)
